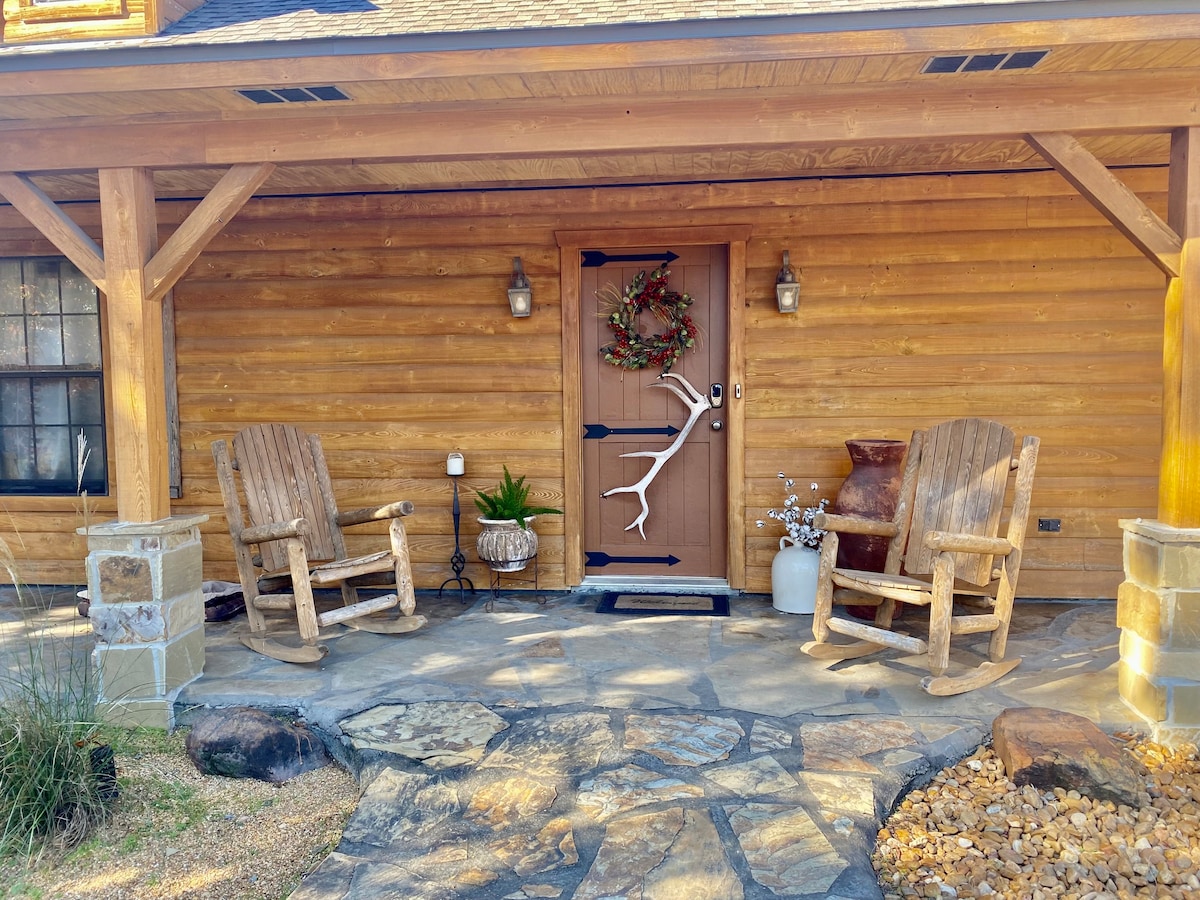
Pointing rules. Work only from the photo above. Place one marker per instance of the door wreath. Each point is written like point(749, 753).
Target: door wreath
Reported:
point(630, 349)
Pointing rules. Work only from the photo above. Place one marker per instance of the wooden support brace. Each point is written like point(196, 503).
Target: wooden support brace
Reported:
point(874, 635)
point(974, 624)
point(189, 240)
point(55, 225)
point(1112, 198)
point(362, 608)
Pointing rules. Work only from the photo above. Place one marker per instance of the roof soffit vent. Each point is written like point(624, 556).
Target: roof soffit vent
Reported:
point(322, 94)
point(983, 62)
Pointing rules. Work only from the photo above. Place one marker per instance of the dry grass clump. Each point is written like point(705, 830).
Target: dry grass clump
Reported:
point(49, 794)
point(175, 833)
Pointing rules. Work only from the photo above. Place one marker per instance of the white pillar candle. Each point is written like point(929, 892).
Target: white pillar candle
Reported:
point(455, 464)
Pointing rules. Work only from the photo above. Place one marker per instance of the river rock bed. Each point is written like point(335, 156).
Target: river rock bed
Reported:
point(973, 833)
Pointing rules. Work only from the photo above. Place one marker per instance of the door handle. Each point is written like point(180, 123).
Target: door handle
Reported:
point(717, 425)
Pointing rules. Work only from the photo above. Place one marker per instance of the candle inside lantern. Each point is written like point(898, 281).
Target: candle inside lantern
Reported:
point(455, 464)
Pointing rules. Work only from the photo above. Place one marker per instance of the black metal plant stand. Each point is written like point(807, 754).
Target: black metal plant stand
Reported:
point(458, 561)
point(521, 576)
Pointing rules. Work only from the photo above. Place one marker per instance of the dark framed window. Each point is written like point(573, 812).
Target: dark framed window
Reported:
point(51, 380)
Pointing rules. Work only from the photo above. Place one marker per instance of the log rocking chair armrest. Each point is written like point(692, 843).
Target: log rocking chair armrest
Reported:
point(854, 525)
point(274, 531)
point(950, 542)
point(376, 513)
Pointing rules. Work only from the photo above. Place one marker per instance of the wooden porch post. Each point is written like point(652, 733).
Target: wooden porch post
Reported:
point(139, 428)
point(1179, 474)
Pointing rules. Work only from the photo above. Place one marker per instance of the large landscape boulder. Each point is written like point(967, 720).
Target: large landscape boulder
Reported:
point(1048, 748)
point(243, 742)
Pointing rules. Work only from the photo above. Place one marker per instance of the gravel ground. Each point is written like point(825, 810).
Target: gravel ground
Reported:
point(178, 834)
point(973, 833)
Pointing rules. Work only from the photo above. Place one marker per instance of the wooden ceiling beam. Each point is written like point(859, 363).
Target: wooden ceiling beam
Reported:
point(57, 227)
point(1116, 202)
point(202, 225)
point(798, 45)
point(601, 125)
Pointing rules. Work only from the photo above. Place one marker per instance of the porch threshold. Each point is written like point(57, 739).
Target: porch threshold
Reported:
point(661, 584)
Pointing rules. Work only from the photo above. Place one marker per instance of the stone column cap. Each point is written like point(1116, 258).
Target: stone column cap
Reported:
point(169, 525)
point(1160, 531)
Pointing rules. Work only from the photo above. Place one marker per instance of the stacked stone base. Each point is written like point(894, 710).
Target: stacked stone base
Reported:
point(147, 612)
point(1158, 611)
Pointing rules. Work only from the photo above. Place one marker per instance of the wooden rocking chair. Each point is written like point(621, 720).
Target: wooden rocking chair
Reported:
point(293, 542)
point(944, 542)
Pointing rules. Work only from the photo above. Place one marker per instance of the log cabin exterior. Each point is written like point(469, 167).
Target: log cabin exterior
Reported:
point(988, 204)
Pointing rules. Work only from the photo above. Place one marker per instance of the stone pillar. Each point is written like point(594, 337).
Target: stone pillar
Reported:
point(1158, 611)
point(147, 612)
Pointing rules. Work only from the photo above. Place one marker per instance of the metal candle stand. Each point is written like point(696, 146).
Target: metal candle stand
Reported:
point(458, 561)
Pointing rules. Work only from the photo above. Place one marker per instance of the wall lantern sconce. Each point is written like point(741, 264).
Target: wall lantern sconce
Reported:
point(787, 288)
point(520, 294)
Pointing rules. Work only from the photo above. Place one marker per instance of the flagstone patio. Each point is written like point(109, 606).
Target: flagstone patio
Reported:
point(542, 750)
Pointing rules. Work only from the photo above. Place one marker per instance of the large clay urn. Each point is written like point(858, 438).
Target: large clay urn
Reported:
point(870, 490)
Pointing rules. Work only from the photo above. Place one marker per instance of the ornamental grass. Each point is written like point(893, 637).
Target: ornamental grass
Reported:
point(49, 795)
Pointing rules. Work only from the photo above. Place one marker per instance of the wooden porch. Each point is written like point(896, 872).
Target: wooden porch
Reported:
point(948, 263)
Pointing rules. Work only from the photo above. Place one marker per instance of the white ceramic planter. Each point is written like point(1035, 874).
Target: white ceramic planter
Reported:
point(504, 545)
point(794, 578)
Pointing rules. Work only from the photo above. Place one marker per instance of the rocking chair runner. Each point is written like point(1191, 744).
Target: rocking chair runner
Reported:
point(945, 537)
point(293, 542)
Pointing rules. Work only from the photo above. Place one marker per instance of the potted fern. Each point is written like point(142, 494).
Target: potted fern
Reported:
point(507, 542)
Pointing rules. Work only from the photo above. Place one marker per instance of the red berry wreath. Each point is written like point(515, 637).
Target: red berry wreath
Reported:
point(632, 350)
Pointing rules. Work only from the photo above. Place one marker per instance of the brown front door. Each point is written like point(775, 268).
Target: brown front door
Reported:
point(622, 413)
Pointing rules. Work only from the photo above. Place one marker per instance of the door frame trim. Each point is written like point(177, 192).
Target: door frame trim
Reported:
point(570, 246)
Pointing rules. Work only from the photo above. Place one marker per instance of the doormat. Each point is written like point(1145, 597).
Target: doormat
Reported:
point(664, 604)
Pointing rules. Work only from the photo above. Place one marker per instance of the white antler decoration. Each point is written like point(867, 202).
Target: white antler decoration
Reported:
point(697, 403)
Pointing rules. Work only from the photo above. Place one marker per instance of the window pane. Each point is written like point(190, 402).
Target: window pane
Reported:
point(45, 341)
point(78, 294)
point(16, 453)
point(81, 341)
point(86, 401)
point(41, 279)
point(50, 401)
point(54, 449)
point(12, 341)
point(49, 319)
point(16, 405)
point(11, 298)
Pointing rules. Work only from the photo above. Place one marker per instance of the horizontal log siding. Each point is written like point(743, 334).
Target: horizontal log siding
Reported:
point(1005, 297)
point(380, 322)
